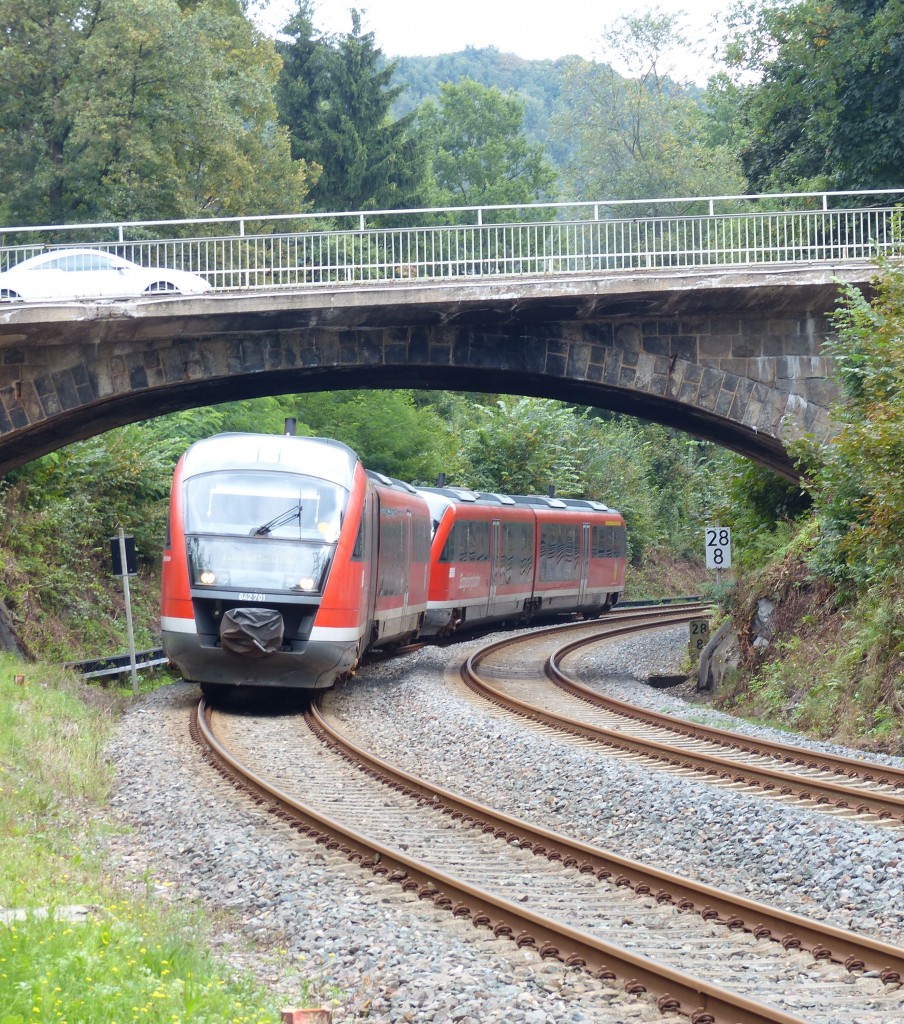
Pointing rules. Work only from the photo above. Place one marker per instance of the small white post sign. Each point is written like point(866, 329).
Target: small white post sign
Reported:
point(699, 636)
point(718, 547)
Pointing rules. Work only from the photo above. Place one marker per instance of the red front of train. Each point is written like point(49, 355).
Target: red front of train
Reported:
point(285, 560)
point(498, 557)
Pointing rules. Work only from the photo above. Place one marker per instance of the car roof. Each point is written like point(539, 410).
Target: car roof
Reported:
point(83, 251)
point(67, 251)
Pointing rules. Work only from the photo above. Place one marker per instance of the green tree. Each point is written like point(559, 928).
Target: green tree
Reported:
point(856, 478)
point(138, 109)
point(335, 95)
point(480, 155)
point(824, 109)
point(40, 53)
point(658, 478)
point(537, 82)
point(120, 478)
point(617, 472)
point(524, 446)
point(387, 429)
point(763, 510)
point(643, 136)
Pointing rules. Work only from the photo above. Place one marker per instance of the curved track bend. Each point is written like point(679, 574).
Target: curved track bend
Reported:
point(505, 674)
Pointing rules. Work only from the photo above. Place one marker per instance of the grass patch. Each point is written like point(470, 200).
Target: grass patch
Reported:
point(130, 960)
point(123, 964)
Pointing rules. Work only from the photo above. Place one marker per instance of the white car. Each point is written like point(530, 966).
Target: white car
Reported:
point(91, 274)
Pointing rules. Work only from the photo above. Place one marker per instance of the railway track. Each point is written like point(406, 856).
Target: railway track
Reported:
point(565, 899)
point(506, 674)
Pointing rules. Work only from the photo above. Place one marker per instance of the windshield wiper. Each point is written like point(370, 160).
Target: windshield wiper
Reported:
point(284, 517)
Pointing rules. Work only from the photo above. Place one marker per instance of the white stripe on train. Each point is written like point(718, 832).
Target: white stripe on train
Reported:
point(320, 634)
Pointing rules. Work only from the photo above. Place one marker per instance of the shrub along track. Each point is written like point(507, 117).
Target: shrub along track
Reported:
point(483, 865)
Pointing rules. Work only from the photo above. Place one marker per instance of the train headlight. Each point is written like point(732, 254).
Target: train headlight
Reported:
point(208, 577)
point(306, 583)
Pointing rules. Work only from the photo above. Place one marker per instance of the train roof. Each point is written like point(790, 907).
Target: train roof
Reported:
point(458, 495)
point(591, 503)
point(311, 456)
point(465, 494)
point(391, 481)
point(552, 502)
point(549, 501)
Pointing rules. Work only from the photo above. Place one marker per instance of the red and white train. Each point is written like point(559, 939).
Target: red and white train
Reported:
point(286, 561)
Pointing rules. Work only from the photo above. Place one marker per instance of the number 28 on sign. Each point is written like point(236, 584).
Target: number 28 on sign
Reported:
point(718, 547)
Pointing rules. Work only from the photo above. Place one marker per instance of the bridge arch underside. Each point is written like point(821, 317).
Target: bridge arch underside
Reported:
point(752, 393)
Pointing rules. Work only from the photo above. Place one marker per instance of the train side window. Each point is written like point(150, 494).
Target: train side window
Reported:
point(448, 552)
point(609, 542)
point(517, 549)
point(467, 542)
point(478, 542)
point(621, 541)
point(420, 541)
point(526, 550)
point(598, 547)
point(392, 556)
point(358, 549)
point(559, 552)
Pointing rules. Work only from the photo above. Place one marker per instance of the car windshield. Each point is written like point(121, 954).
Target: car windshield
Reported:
point(265, 505)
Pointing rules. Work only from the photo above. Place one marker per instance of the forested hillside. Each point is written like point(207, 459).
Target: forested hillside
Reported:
point(538, 84)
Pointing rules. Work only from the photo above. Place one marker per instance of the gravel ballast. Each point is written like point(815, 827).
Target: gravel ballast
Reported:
point(382, 954)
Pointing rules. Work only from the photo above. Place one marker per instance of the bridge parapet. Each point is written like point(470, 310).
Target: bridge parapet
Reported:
point(604, 237)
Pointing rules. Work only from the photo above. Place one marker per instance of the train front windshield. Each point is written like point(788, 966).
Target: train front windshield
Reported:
point(258, 532)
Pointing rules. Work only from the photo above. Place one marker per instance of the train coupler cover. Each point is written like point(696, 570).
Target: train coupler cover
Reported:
point(252, 632)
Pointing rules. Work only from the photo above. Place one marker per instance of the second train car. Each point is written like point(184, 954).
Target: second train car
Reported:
point(286, 561)
point(498, 557)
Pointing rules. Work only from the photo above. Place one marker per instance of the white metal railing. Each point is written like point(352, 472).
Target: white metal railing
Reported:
point(443, 243)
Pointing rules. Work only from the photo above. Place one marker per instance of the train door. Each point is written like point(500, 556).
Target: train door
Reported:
point(406, 548)
point(585, 562)
point(495, 566)
point(370, 537)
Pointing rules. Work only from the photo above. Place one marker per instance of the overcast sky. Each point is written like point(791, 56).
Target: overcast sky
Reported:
point(534, 29)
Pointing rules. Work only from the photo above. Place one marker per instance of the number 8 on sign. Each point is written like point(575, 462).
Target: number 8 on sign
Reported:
point(718, 547)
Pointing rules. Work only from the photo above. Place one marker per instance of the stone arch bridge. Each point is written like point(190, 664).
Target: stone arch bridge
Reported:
point(733, 355)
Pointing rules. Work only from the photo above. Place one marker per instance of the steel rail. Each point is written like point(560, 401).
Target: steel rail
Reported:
point(823, 941)
point(682, 612)
point(117, 664)
point(675, 991)
point(884, 806)
point(868, 771)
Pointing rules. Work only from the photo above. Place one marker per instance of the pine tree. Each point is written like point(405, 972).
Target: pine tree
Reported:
point(335, 96)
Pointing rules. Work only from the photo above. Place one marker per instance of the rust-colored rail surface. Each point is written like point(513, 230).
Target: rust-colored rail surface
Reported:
point(788, 771)
point(823, 941)
point(783, 753)
point(702, 1001)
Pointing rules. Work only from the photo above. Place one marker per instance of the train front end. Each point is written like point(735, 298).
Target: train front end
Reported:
point(258, 527)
